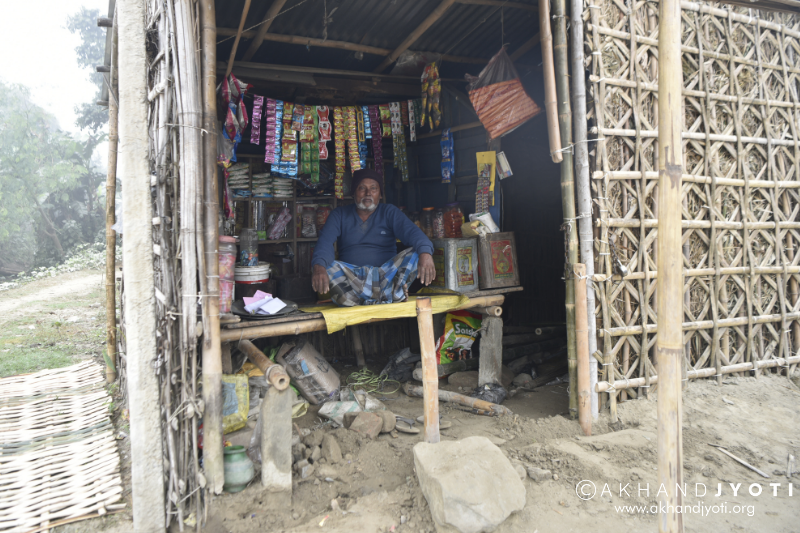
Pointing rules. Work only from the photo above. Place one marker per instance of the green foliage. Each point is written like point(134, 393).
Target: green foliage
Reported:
point(91, 52)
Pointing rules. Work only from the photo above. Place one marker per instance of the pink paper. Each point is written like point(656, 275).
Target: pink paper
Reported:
point(259, 295)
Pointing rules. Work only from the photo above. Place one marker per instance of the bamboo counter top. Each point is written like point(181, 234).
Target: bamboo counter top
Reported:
point(308, 322)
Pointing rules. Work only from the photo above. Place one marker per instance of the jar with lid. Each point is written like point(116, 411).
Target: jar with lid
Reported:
point(248, 247)
point(438, 223)
point(427, 221)
point(227, 261)
point(453, 220)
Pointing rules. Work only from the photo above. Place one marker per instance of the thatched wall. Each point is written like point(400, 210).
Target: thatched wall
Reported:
point(741, 72)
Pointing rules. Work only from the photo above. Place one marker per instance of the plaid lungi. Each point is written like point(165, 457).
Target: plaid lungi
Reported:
point(367, 285)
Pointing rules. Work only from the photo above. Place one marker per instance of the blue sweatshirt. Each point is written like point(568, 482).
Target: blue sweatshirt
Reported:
point(369, 243)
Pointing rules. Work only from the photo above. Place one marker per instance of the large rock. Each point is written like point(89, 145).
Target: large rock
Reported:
point(367, 424)
point(471, 487)
point(330, 449)
point(468, 380)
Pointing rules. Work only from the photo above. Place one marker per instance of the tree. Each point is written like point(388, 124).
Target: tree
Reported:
point(91, 52)
point(39, 166)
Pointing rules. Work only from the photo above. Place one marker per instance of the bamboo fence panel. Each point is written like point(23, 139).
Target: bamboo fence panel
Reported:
point(58, 455)
point(741, 106)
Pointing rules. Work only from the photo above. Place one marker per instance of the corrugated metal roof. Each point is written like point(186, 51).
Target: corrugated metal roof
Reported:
point(464, 30)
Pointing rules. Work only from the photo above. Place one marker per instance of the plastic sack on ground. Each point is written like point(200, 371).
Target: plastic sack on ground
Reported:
point(491, 392)
point(313, 376)
point(498, 97)
point(335, 411)
point(460, 331)
point(401, 365)
point(235, 402)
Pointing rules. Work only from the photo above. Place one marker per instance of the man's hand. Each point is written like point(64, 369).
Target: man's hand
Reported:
point(427, 272)
point(320, 280)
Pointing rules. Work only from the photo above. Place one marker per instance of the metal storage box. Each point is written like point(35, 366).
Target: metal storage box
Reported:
point(456, 262)
point(498, 258)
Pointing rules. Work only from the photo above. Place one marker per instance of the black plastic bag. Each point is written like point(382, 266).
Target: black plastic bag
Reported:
point(401, 365)
point(491, 392)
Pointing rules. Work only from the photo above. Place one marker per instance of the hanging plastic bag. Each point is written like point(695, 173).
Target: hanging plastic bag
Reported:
point(499, 98)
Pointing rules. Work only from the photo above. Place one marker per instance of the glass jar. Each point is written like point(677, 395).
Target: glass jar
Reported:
point(453, 220)
point(323, 212)
point(415, 219)
point(227, 261)
point(427, 221)
point(248, 247)
point(438, 223)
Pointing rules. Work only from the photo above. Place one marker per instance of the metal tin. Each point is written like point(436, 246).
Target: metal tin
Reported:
point(498, 255)
point(456, 262)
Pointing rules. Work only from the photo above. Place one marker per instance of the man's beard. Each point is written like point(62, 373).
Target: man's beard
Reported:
point(364, 207)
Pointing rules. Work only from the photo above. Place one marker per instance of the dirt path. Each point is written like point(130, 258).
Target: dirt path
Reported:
point(36, 296)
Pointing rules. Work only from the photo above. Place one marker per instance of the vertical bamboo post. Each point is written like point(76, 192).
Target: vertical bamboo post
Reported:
point(582, 342)
point(111, 235)
point(147, 467)
point(212, 350)
point(550, 104)
point(567, 188)
point(581, 149)
point(669, 344)
point(430, 377)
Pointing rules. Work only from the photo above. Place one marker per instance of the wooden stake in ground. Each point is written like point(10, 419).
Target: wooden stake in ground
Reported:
point(111, 235)
point(669, 344)
point(430, 378)
point(567, 188)
point(582, 343)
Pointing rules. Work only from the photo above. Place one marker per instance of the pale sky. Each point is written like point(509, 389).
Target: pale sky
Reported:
point(39, 52)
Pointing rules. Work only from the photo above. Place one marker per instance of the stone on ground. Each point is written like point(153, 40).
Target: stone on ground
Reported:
point(523, 380)
point(539, 474)
point(470, 486)
point(330, 449)
point(367, 424)
point(389, 421)
point(468, 380)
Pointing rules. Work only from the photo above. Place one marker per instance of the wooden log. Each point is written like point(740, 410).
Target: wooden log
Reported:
point(494, 310)
point(430, 379)
point(515, 340)
point(539, 348)
point(274, 372)
point(111, 235)
point(550, 99)
point(415, 391)
point(582, 342)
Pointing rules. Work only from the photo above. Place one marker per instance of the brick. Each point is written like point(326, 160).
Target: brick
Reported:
point(367, 424)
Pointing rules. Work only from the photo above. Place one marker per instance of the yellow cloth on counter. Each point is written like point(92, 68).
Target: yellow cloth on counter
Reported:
point(337, 318)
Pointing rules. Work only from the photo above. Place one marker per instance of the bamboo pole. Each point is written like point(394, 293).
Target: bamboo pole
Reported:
point(584, 185)
point(582, 342)
point(111, 235)
point(232, 57)
point(550, 105)
point(430, 377)
point(709, 372)
point(560, 54)
point(669, 344)
point(274, 373)
point(147, 469)
point(212, 349)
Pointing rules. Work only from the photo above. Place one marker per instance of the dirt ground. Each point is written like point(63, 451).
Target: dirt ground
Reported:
point(376, 487)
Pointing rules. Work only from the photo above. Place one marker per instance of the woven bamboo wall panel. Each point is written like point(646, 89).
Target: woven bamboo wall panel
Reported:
point(741, 203)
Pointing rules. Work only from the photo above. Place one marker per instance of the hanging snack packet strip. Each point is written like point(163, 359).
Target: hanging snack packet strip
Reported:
point(404, 112)
point(367, 128)
point(352, 138)
point(324, 129)
point(297, 117)
point(360, 124)
point(269, 134)
point(412, 125)
point(448, 161)
point(377, 143)
point(423, 114)
point(386, 120)
point(402, 157)
point(276, 144)
point(338, 141)
point(434, 90)
point(255, 129)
